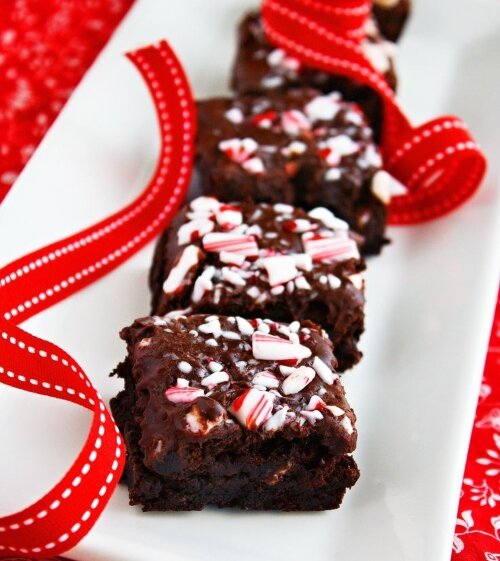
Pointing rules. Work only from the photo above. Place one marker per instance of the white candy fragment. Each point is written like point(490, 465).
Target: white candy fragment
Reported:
point(323, 107)
point(297, 380)
point(255, 166)
point(347, 425)
point(216, 378)
point(270, 347)
point(299, 225)
point(328, 218)
point(266, 379)
point(335, 411)
point(212, 327)
point(244, 326)
point(232, 258)
point(381, 186)
point(295, 148)
point(189, 258)
point(234, 115)
point(215, 366)
point(203, 284)
point(193, 230)
point(280, 269)
point(232, 277)
point(302, 261)
point(232, 243)
point(302, 284)
point(334, 281)
point(229, 217)
point(182, 393)
point(252, 408)
point(312, 416)
point(278, 420)
point(184, 367)
point(315, 403)
point(323, 371)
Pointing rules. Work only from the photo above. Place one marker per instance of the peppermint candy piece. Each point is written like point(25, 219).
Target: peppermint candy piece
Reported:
point(271, 347)
point(312, 416)
point(328, 218)
point(297, 380)
point(322, 248)
point(193, 230)
point(203, 284)
point(182, 393)
point(232, 243)
point(267, 379)
point(207, 205)
point(280, 269)
point(189, 258)
point(299, 225)
point(234, 115)
point(228, 217)
point(244, 326)
point(278, 420)
point(295, 122)
point(316, 403)
point(323, 371)
point(238, 149)
point(384, 187)
point(214, 379)
point(264, 120)
point(232, 258)
point(323, 107)
point(295, 148)
point(252, 408)
point(255, 166)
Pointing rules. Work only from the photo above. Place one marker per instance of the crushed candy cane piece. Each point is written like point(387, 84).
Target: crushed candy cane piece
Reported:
point(266, 379)
point(323, 371)
point(328, 248)
point(193, 230)
point(234, 115)
point(203, 284)
point(297, 380)
point(182, 393)
point(278, 420)
point(280, 269)
point(295, 122)
point(299, 225)
point(323, 107)
point(214, 379)
point(189, 258)
point(230, 242)
point(238, 149)
point(312, 416)
point(229, 217)
point(252, 408)
point(205, 204)
point(328, 218)
point(254, 166)
point(272, 347)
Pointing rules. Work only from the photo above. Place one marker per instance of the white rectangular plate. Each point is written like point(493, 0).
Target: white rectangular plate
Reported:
point(430, 302)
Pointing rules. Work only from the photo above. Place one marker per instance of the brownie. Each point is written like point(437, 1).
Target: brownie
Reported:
point(221, 411)
point(297, 147)
point(260, 67)
point(262, 260)
point(391, 17)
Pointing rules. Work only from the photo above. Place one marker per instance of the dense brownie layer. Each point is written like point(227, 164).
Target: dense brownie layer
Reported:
point(391, 17)
point(261, 260)
point(220, 411)
point(298, 147)
point(260, 68)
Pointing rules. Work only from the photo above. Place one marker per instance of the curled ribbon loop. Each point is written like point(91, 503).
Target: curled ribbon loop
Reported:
point(60, 519)
point(439, 162)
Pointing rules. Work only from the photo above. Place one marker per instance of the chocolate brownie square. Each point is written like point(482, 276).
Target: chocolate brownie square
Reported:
point(298, 147)
point(261, 67)
point(391, 17)
point(260, 260)
point(225, 412)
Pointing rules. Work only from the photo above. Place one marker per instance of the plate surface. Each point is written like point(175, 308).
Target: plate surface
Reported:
point(430, 302)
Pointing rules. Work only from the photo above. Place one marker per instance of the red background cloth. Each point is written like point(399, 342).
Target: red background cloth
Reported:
point(45, 48)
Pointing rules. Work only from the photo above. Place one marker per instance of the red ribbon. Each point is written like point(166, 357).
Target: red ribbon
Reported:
point(60, 519)
point(439, 162)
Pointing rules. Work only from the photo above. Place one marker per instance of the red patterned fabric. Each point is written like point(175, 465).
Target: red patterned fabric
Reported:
point(477, 534)
point(45, 48)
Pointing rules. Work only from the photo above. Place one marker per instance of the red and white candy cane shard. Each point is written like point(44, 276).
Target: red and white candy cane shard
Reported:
point(194, 230)
point(321, 248)
point(252, 408)
point(238, 149)
point(64, 515)
point(189, 258)
point(298, 380)
point(299, 225)
point(271, 347)
point(229, 217)
point(266, 379)
point(180, 394)
point(231, 243)
point(439, 162)
point(294, 122)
